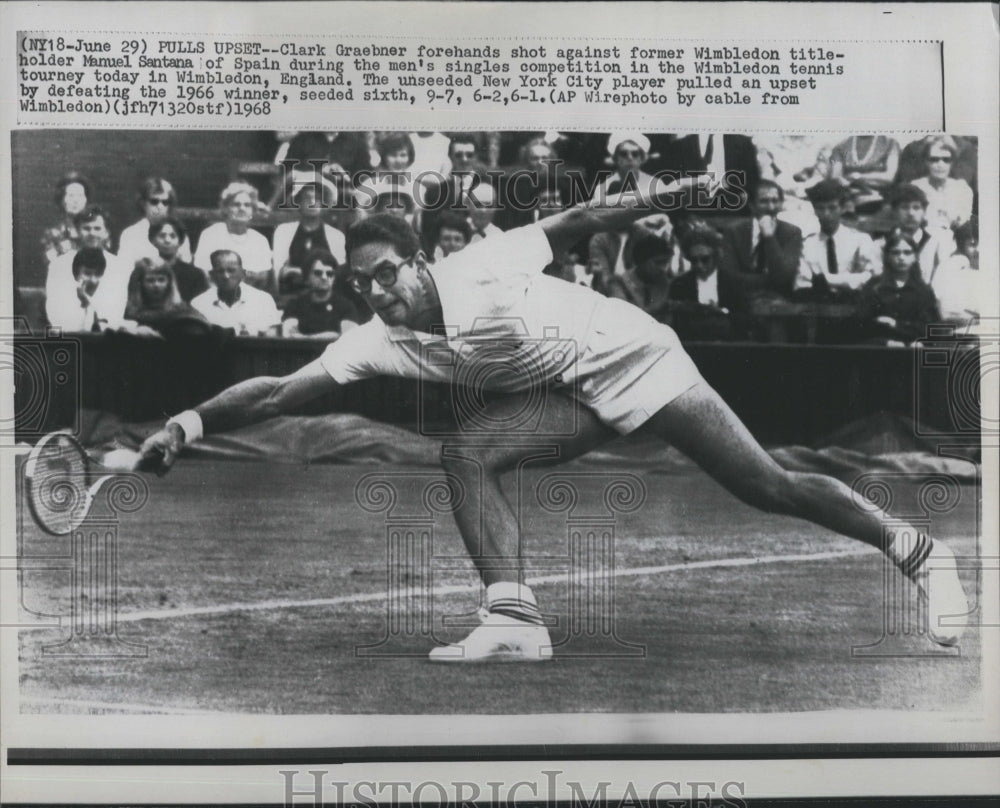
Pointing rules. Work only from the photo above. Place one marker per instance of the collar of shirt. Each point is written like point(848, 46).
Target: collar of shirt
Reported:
point(240, 299)
point(754, 233)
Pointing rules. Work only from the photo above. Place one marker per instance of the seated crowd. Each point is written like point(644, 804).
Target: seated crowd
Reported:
point(856, 233)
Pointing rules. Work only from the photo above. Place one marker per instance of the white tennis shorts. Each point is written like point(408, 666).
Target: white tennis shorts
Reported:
point(631, 366)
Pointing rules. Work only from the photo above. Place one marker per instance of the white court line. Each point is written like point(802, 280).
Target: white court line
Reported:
point(367, 597)
point(115, 706)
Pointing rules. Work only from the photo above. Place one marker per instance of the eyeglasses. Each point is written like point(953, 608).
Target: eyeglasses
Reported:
point(165, 201)
point(939, 159)
point(629, 153)
point(385, 275)
point(321, 273)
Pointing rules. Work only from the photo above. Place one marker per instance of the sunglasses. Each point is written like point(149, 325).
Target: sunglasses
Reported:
point(629, 153)
point(323, 273)
point(165, 201)
point(938, 159)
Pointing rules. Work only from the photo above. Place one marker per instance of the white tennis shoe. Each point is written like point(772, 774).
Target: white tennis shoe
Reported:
point(499, 639)
point(941, 590)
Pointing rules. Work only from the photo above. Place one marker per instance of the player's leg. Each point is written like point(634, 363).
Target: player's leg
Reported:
point(488, 524)
point(702, 425)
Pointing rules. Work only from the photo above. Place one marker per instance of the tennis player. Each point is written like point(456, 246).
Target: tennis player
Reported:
point(488, 313)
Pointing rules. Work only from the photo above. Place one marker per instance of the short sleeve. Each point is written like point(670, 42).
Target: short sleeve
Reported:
point(358, 354)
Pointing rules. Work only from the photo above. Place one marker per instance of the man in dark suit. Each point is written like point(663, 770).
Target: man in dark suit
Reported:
point(703, 298)
point(760, 254)
point(732, 156)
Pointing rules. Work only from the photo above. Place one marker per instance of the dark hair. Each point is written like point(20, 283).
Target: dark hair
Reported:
point(89, 214)
point(394, 142)
point(450, 220)
point(325, 195)
point(89, 258)
point(71, 178)
point(386, 229)
point(395, 196)
point(156, 185)
point(323, 256)
point(967, 231)
point(826, 191)
point(699, 232)
point(905, 194)
point(895, 237)
point(761, 184)
point(462, 137)
point(174, 222)
point(216, 256)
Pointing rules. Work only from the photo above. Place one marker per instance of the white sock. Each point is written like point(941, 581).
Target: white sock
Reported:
point(513, 600)
point(909, 548)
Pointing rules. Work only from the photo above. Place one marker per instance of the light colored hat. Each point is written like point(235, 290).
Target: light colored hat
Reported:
point(615, 139)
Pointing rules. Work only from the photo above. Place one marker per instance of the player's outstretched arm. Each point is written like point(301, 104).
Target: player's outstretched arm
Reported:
point(618, 212)
point(245, 403)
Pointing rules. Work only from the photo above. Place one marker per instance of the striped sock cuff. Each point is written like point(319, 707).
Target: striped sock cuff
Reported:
point(917, 556)
point(518, 609)
point(513, 600)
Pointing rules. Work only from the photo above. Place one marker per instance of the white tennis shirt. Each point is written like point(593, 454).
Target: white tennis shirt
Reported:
point(508, 327)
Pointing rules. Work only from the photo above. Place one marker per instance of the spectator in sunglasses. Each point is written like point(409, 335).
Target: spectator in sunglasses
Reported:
point(156, 201)
point(321, 311)
point(949, 200)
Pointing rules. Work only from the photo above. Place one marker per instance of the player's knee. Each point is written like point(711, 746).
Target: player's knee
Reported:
point(775, 492)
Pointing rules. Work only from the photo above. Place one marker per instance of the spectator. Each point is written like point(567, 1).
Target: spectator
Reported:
point(450, 193)
point(838, 260)
point(155, 307)
point(761, 254)
point(62, 300)
point(909, 205)
point(91, 301)
point(453, 234)
point(958, 284)
point(293, 241)
point(238, 202)
point(319, 311)
point(395, 200)
point(731, 158)
point(647, 284)
point(231, 303)
point(521, 188)
point(73, 194)
point(868, 164)
point(897, 305)
point(482, 209)
point(949, 200)
point(702, 298)
point(166, 236)
point(610, 254)
point(702, 247)
point(628, 152)
point(156, 201)
point(396, 155)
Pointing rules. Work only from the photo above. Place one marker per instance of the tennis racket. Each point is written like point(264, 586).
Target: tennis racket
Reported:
point(59, 483)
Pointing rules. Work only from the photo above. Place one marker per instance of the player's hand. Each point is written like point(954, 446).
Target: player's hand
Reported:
point(160, 450)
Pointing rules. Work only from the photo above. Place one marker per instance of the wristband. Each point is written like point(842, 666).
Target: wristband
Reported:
point(190, 422)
